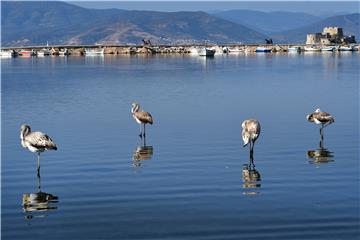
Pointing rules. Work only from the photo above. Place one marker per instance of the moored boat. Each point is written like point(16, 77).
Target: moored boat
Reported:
point(7, 53)
point(94, 51)
point(347, 48)
point(43, 52)
point(64, 52)
point(235, 50)
point(312, 49)
point(206, 52)
point(27, 53)
point(327, 48)
point(263, 50)
point(294, 49)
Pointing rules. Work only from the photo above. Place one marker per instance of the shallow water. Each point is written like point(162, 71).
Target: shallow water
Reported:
point(191, 184)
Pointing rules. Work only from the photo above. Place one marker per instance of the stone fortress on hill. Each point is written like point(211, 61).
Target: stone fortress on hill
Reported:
point(330, 35)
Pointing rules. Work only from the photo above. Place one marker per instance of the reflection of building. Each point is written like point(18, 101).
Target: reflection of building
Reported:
point(330, 35)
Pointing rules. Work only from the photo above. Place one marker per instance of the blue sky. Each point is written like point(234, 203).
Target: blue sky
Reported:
point(312, 7)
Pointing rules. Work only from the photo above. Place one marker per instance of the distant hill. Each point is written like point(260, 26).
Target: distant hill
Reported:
point(33, 23)
point(268, 22)
point(349, 23)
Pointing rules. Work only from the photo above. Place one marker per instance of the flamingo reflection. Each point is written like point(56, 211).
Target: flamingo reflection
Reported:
point(141, 153)
point(38, 203)
point(320, 155)
point(251, 178)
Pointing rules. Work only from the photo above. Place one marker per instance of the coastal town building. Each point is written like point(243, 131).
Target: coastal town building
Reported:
point(330, 35)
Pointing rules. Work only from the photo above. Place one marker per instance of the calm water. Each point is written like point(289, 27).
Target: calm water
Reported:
point(191, 183)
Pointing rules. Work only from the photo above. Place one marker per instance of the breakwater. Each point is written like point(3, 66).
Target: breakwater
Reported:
point(158, 49)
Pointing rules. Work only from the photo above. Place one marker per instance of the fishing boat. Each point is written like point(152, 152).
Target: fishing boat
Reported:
point(263, 50)
point(295, 49)
point(312, 49)
point(206, 52)
point(94, 51)
point(347, 48)
point(327, 48)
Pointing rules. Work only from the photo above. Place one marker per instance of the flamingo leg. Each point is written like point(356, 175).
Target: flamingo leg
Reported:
point(144, 131)
point(322, 136)
point(39, 180)
point(140, 135)
point(144, 141)
point(38, 165)
point(252, 154)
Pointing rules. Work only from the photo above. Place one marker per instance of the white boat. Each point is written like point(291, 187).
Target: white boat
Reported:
point(64, 52)
point(94, 51)
point(263, 50)
point(7, 53)
point(40, 54)
point(231, 50)
point(347, 48)
point(327, 48)
point(225, 50)
point(43, 52)
point(294, 49)
point(312, 49)
point(207, 52)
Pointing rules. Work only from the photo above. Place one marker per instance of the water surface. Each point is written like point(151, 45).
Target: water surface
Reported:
point(189, 182)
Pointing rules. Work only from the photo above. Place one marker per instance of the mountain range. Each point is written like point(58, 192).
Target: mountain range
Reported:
point(268, 22)
point(34, 23)
point(63, 23)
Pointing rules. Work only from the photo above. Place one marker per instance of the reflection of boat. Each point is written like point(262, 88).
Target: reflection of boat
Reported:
point(251, 179)
point(312, 49)
point(206, 52)
point(142, 153)
point(263, 50)
point(321, 155)
point(94, 51)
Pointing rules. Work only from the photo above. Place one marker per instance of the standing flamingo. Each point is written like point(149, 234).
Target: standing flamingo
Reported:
point(141, 117)
point(35, 142)
point(250, 132)
point(323, 118)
